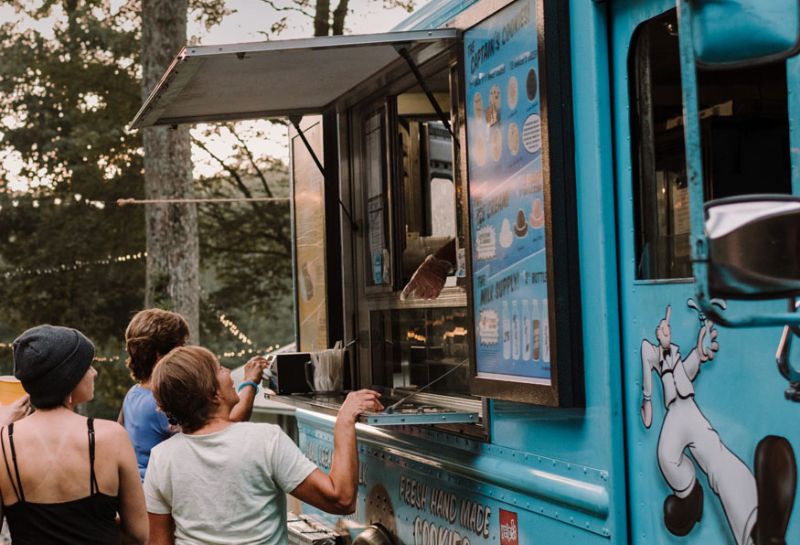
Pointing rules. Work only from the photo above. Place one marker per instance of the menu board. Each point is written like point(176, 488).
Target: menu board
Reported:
point(507, 206)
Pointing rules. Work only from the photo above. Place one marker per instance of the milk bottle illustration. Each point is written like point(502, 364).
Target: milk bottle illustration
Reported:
point(527, 332)
point(515, 330)
point(537, 333)
point(545, 333)
point(506, 332)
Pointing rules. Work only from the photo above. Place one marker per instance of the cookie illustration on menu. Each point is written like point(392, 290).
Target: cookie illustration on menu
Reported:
point(493, 110)
point(531, 84)
point(512, 93)
point(497, 144)
point(479, 150)
point(513, 138)
point(506, 236)
point(537, 214)
point(477, 105)
point(521, 226)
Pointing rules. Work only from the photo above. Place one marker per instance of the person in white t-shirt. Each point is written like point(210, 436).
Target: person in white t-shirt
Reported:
point(223, 482)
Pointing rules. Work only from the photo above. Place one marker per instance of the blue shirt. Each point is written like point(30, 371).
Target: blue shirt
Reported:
point(146, 425)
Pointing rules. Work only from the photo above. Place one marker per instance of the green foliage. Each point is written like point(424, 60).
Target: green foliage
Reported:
point(66, 96)
point(246, 247)
point(65, 101)
point(64, 104)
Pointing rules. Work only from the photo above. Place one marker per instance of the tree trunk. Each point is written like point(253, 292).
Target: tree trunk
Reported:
point(173, 279)
point(322, 18)
point(339, 15)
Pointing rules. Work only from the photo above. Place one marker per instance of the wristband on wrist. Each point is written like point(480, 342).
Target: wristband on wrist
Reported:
point(245, 384)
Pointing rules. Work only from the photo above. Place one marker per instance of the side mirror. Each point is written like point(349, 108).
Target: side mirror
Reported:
point(736, 33)
point(754, 247)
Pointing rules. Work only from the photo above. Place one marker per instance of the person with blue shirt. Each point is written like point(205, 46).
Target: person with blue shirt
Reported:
point(151, 334)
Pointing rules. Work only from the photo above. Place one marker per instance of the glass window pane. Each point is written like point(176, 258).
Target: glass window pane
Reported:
point(378, 262)
point(413, 347)
point(745, 139)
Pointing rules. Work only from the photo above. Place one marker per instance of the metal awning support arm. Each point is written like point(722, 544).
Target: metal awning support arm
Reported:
point(295, 121)
point(444, 118)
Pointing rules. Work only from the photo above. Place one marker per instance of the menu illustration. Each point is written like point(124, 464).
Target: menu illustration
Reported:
point(506, 195)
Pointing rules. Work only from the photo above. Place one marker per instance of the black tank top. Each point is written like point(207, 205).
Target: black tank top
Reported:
point(87, 521)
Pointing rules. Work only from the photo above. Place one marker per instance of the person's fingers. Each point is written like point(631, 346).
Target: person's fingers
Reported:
point(367, 390)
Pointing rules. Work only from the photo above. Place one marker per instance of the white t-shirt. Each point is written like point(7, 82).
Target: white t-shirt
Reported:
point(226, 487)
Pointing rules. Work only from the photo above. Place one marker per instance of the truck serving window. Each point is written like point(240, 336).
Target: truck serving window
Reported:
point(412, 342)
point(745, 137)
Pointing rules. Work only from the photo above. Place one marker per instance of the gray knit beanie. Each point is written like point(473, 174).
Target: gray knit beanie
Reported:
point(50, 361)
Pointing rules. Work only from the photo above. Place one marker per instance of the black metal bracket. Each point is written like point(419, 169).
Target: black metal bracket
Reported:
point(295, 121)
point(444, 118)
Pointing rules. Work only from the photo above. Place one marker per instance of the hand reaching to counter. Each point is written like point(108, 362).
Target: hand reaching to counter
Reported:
point(358, 402)
point(254, 369)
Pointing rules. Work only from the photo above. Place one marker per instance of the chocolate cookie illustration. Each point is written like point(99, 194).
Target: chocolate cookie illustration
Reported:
point(531, 84)
point(521, 227)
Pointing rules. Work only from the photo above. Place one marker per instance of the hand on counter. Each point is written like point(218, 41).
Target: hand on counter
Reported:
point(358, 402)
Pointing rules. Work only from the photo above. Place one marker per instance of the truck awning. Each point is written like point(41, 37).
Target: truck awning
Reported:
point(278, 78)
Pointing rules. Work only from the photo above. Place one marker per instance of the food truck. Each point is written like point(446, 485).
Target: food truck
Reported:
point(608, 191)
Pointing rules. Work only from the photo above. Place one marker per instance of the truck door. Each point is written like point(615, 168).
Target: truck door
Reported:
point(704, 405)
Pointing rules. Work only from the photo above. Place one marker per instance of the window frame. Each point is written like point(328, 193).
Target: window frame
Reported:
point(369, 300)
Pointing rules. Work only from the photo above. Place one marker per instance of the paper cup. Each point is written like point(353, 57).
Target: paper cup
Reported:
point(10, 390)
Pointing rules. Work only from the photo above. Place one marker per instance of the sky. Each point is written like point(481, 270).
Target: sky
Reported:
point(250, 17)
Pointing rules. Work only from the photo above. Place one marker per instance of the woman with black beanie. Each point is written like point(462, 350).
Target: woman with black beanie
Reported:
point(64, 478)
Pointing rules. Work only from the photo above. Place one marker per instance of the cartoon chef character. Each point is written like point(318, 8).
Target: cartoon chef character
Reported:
point(686, 429)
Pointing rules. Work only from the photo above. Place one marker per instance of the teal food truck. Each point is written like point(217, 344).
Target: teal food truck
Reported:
point(563, 239)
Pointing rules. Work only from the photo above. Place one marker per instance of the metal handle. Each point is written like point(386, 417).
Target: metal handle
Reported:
point(785, 367)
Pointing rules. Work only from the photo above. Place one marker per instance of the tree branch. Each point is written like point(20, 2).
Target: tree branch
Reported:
point(234, 174)
point(252, 159)
point(339, 15)
point(296, 8)
point(322, 16)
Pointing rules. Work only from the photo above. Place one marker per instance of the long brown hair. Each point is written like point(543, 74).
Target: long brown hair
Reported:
point(152, 333)
point(184, 384)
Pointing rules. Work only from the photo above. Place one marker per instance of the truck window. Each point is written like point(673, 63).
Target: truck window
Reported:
point(378, 257)
point(745, 141)
point(412, 347)
point(416, 341)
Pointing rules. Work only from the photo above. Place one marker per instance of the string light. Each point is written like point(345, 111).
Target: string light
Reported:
point(98, 359)
point(79, 264)
point(229, 354)
point(234, 329)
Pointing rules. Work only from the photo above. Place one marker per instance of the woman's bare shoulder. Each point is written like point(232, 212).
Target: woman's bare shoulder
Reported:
point(108, 430)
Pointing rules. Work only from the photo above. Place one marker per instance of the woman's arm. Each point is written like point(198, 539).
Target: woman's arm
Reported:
point(132, 512)
point(337, 491)
point(253, 370)
point(162, 529)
